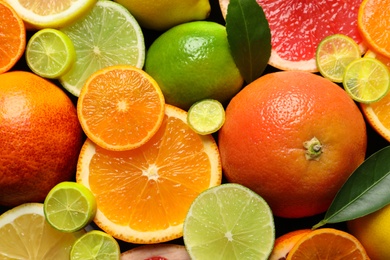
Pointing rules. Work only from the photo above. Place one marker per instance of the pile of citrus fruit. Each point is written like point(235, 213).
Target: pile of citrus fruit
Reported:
point(129, 132)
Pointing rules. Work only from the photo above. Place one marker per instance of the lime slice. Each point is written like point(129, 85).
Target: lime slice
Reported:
point(333, 55)
point(69, 206)
point(95, 244)
point(108, 35)
point(206, 116)
point(50, 53)
point(229, 221)
point(366, 80)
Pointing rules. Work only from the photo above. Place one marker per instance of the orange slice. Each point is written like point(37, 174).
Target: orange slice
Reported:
point(143, 194)
point(378, 113)
point(12, 37)
point(327, 244)
point(374, 25)
point(286, 242)
point(120, 107)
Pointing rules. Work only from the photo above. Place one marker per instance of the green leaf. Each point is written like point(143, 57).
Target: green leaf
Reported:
point(366, 190)
point(249, 37)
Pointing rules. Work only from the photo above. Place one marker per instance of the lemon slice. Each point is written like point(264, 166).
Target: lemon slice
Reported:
point(50, 53)
point(333, 55)
point(51, 14)
point(25, 234)
point(69, 206)
point(95, 244)
point(108, 35)
point(366, 80)
point(206, 116)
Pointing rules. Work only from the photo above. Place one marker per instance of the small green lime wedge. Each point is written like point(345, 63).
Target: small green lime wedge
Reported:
point(108, 35)
point(366, 80)
point(69, 206)
point(333, 55)
point(50, 53)
point(229, 221)
point(95, 244)
point(206, 116)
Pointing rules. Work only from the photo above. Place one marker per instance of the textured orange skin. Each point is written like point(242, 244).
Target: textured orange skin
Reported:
point(40, 137)
point(261, 142)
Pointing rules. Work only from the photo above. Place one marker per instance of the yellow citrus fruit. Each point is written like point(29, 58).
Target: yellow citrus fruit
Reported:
point(192, 62)
point(373, 232)
point(164, 14)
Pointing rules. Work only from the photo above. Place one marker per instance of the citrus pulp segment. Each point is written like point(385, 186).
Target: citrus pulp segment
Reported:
point(333, 55)
point(373, 26)
point(229, 221)
point(297, 27)
point(366, 80)
point(50, 53)
point(12, 37)
point(51, 14)
point(107, 35)
point(69, 206)
point(25, 234)
point(206, 116)
point(95, 245)
point(144, 194)
point(120, 107)
point(284, 243)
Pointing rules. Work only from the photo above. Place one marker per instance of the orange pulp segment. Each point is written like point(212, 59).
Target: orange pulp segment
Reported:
point(120, 107)
point(12, 37)
point(143, 194)
point(327, 244)
point(286, 242)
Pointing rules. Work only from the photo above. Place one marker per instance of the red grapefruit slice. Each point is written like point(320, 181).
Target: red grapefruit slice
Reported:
point(298, 26)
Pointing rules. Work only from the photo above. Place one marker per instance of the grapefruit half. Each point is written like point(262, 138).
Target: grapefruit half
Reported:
point(298, 26)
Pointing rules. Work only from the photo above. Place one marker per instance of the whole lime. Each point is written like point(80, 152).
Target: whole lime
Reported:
point(191, 62)
point(164, 14)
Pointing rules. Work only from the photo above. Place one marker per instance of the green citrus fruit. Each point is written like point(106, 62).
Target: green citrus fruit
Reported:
point(191, 62)
point(164, 14)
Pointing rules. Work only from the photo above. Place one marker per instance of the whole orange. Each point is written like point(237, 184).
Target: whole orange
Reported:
point(40, 137)
point(294, 138)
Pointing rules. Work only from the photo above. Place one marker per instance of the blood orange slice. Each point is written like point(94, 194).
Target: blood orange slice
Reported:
point(298, 26)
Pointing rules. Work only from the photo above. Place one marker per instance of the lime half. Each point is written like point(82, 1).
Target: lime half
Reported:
point(69, 206)
point(50, 53)
point(95, 244)
point(366, 80)
point(206, 116)
point(333, 55)
point(229, 221)
point(108, 35)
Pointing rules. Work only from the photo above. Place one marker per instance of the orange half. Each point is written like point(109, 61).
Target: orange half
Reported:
point(120, 107)
point(12, 37)
point(143, 194)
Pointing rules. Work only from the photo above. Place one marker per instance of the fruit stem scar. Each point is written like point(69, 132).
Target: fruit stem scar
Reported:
point(313, 149)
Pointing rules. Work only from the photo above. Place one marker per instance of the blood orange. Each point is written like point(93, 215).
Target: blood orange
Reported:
point(298, 26)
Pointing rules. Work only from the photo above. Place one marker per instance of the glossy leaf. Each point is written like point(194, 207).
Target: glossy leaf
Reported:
point(366, 190)
point(249, 37)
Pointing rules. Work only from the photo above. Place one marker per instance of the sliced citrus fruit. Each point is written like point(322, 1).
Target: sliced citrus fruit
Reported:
point(120, 107)
point(12, 37)
point(108, 35)
point(69, 206)
point(286, 242)
point(378, 113)
point(229, 221)
point(157, 252)
point(206, 116)
point(327, 243)
point(50, 53)
point(51, 14)
point(143, 194)
point(95, 245)
point(334, 53)
point(366, 80)
point(373, 27)
point(25, 234)
point(297, 27)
